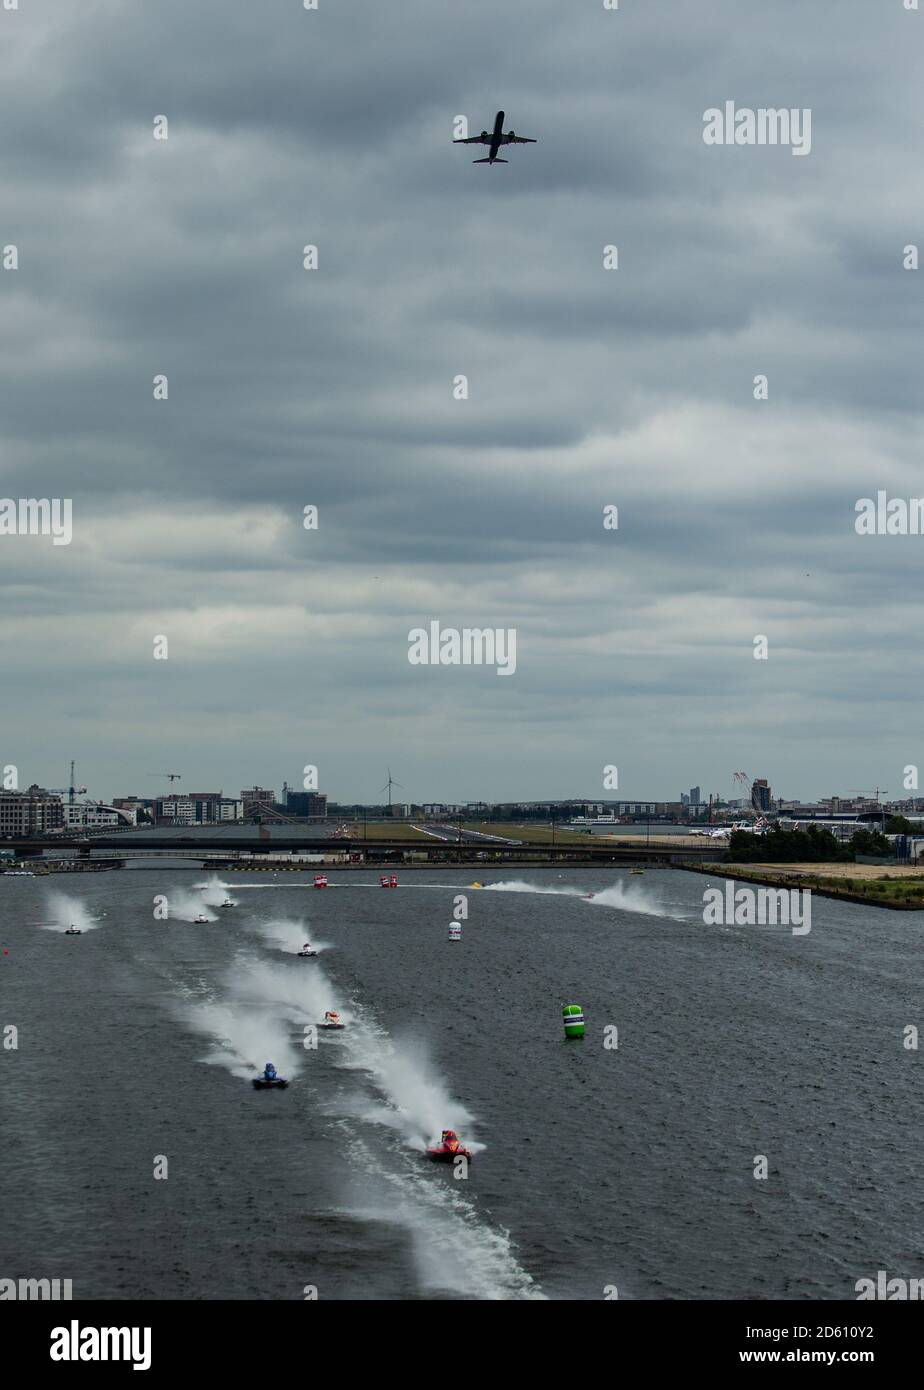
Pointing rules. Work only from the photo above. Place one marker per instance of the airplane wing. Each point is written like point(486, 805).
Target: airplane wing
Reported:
point(472, 140)
point(517, 140)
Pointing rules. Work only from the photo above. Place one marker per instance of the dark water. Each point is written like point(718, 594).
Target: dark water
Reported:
point(630, 1167)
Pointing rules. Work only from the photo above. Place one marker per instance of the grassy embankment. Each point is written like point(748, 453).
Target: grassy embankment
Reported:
point(878, 885)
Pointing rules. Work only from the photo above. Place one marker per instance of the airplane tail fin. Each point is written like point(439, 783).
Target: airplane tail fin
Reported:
point(490, 161)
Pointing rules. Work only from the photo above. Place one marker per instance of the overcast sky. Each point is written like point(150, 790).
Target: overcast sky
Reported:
point(333, 388)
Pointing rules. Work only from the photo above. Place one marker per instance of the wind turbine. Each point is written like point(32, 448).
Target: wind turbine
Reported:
point(388, 786)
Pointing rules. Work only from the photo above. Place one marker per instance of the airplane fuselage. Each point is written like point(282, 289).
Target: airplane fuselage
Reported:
point(498, 132)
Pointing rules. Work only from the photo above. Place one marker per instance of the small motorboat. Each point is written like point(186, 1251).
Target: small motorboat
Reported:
point(448, 1149)
point(200, 918)
point(474, 885)
point(229, 902)
point(332, 1021)
point(306, 951)
point(73, 931)
point(320, 881)
point(393, 881)
point(636, 871)
point(270, 1080)
point(383, 881)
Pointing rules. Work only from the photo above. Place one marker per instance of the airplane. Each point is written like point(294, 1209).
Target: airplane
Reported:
point(495, 140)
point(722, 832)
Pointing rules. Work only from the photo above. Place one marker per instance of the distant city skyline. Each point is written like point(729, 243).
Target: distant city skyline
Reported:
point(233, 788)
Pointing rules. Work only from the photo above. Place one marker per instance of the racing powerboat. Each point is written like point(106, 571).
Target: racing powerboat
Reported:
point(270, 1080)
point(200, 918)
point(229, 902)
point(332, 1021)
point(320, 881)
point(73, 931)
point(448, 1149)
point(306, 951)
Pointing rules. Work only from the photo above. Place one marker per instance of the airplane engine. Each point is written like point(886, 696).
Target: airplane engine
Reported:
point(511, 134)
point(484, 135)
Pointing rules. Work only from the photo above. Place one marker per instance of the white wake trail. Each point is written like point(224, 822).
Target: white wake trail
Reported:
point(65, 910)
point(290, 935)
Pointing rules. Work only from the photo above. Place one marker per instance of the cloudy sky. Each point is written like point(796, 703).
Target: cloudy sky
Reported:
point(333, 388)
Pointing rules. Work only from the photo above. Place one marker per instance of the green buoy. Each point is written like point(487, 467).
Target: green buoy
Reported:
point(573, 1019)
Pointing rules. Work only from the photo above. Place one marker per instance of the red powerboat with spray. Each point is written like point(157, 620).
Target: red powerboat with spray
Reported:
point(448, 1149)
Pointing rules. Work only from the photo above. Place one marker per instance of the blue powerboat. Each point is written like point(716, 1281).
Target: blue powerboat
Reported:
point(270, 1080)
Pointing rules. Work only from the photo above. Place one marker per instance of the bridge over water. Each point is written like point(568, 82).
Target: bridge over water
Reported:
point(218, 850)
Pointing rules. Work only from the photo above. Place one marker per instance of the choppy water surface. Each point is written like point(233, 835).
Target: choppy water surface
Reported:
point(630, 1166)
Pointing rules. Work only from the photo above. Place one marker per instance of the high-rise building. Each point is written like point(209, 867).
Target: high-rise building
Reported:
point(695, 797)
point(257, 801)
point(760, 793)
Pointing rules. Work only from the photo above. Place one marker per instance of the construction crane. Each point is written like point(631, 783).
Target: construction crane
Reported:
point(72, 790)
point(170, 776)
point(745, 784)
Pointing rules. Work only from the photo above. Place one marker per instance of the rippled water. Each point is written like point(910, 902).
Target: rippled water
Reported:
point(594, 1166)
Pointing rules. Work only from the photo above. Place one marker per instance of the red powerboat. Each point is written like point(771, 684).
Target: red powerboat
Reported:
point(448, 1149)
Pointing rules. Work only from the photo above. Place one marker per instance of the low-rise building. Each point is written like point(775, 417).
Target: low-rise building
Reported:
point(196, 808)
point(33, 811)
point(94, 815)
point(313, 804)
